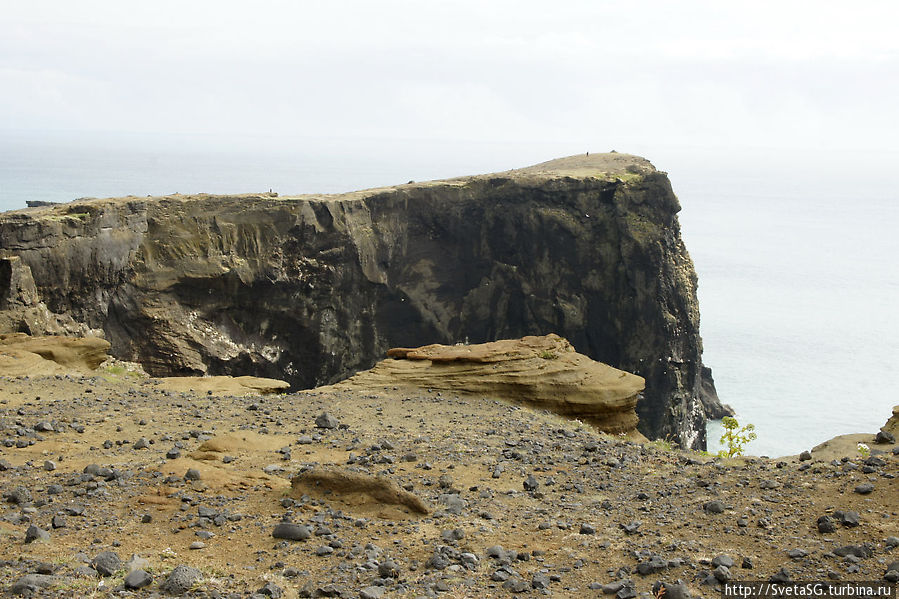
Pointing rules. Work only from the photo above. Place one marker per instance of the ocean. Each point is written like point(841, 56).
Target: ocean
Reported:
point(795, 253)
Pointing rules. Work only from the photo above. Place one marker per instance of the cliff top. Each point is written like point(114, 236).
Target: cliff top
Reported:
point(608, 166)
point(605, 165)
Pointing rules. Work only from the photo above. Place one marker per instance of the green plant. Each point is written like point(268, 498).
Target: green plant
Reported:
point(548, 355)
point(864, 450)
point(735, 438)
point(663, 444)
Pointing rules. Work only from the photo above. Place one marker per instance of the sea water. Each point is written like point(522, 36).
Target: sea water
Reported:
point(798, 290)
point(798, 284)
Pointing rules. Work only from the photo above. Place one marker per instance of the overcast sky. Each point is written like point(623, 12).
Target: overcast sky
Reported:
point(801, 75)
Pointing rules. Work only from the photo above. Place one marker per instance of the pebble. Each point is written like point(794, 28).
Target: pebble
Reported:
point(371, 593)
point(826, 525)
point(107, 563)
point(631, 528)
point(33, 583)
point(36, 534)
point(291, 532)
point(864, 488)
point(327, 421)
point(272, 590)
point(516, 585)
point(670, 591)
point(723, 560)
point(540, 581)
point(138, 579)
point(180, 580)
point(884, 437)
point(848, 518)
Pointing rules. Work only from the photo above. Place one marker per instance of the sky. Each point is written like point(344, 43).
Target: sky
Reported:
point(815, 76)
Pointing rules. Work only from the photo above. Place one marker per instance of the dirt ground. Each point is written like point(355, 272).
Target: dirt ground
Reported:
point(555, 494)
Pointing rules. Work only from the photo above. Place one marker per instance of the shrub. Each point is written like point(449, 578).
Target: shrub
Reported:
point(735, 438)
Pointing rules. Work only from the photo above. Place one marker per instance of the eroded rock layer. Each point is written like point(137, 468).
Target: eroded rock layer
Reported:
point(543, 372)
point(314, 288)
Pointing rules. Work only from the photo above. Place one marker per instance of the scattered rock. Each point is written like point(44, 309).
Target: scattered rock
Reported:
point(864, 488)
point(714, 507)
point(291, 532)
point(670, 591)
point(884, 437)
point(182, 579)
point(36, 534)
point(859, 551)
point(18, 496)
point(782, 575)
point(371, 593)
point(107, 563)
point(33, 583)
point(326, 420)
point(272, 590)
point(826, 525)
point(138, 579)
point(655, 563)
point(723, 560)
point(848, 518)
point(631, 528)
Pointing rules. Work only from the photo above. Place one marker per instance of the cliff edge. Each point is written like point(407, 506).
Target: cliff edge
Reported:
point(313, 288)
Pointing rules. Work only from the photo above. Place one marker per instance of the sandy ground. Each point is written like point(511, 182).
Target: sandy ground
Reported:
point(468, 459)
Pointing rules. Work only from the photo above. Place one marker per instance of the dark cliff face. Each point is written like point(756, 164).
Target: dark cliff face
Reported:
point(313, 289)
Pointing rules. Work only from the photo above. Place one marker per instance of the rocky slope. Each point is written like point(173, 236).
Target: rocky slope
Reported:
point(313, 288)
point(116, 487)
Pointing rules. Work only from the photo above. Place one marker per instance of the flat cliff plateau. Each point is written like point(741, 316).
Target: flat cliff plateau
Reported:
point(313, 288)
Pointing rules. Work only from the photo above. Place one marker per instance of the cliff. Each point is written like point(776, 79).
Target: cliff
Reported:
point(313, 288)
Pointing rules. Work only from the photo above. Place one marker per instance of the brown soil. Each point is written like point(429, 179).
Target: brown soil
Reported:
point(435, 445)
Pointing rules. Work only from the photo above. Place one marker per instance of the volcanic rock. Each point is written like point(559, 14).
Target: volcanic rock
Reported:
point(318, 287)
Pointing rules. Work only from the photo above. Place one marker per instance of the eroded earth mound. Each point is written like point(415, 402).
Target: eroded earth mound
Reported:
point(542, 372)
